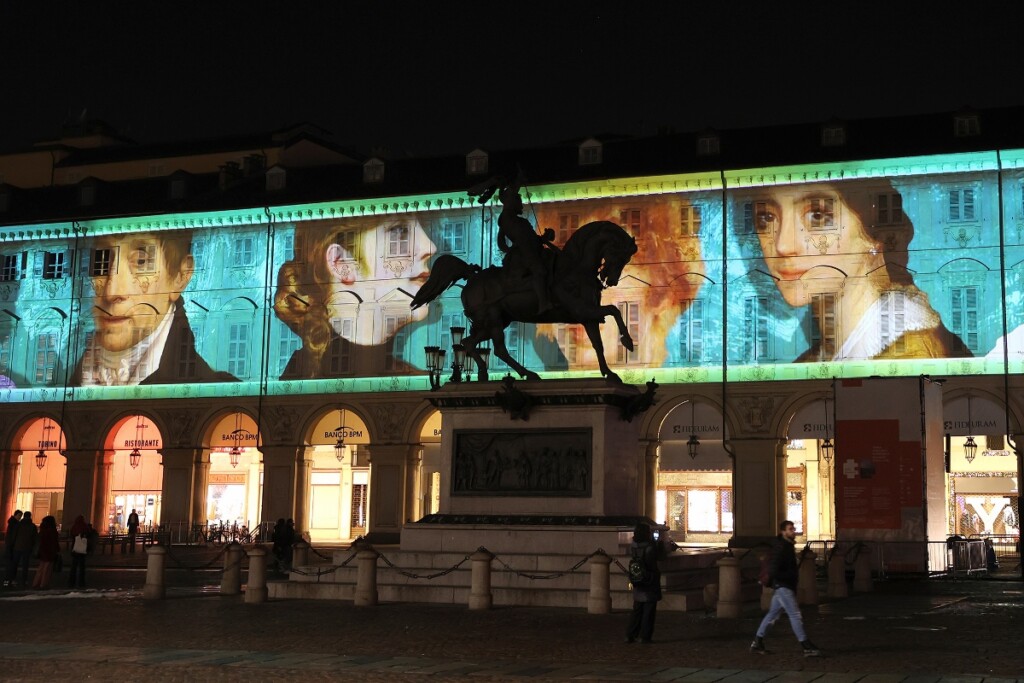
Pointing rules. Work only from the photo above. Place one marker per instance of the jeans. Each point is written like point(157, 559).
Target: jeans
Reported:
point(641, 620)
point(77, 574)
point(21, 559)
point(784, 600)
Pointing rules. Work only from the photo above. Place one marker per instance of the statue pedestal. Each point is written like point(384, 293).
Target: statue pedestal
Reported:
point(569, 462)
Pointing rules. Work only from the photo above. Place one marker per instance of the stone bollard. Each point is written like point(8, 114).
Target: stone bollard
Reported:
point(807, 587)
point(767, 592)
point(231, 581)
point(480, 583)
point(730, 598)
point(366, 577)
point(837, 587)
point(300, 554)
point(862, 582)
point(600, 600)
point(256, 585)
point(155, 561)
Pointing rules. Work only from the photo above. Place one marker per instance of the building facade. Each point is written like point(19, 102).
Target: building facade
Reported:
point(222, 357)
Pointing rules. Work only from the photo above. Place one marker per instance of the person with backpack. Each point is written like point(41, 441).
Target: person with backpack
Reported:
point(783, 574)
point(645, 578)
point(79, 536)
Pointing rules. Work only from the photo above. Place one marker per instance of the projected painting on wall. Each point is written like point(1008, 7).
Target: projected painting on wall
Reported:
point(785, 280)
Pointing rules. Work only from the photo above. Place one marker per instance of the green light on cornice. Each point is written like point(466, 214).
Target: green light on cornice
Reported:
point(871, 168)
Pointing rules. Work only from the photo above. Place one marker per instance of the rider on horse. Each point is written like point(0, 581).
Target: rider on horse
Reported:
point(526, 244)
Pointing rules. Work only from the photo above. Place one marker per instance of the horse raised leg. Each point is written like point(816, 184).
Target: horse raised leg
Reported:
point(593, 328)
point(624, 335)
point(501, 351)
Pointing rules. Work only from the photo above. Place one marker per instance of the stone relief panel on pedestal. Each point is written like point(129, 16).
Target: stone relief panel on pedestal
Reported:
point(549, 463)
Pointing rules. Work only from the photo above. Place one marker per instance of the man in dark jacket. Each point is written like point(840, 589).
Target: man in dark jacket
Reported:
point(647, 592)
point(12, 529)
point(24, 546)
point(783, 574)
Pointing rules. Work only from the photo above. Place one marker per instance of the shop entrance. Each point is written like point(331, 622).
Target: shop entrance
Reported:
point(136, 475)
point(339, 479)
point(41, 471)
point(234, 488)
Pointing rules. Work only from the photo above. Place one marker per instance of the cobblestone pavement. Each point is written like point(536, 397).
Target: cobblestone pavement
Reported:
point(912, 631)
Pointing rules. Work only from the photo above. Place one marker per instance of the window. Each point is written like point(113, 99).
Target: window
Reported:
point(244, 253)
point(630, 311)
point(889, 209)
point(398, 241)
point(631, 220)
point(448, 321)
point(46, 359)
point(238, 349)
point(756, 218)
point(568, 224)
point(102, 261)
point(964, 316)
point(961, 204)
point(198, 251)
point(186, 353)
point(373, 171)
point(892, 324)
point(394, 329)
point(143, 259)
point(55, 265)
point(177, 190)
point(707, 145)
point(340, 360)
point(6, 339)
point(821, 214)
point(347, 241)
point(156, 170)
point(691, 331)
point(476, 163)
point(708, 510)
point(966, 125)
point(795, 508)
point(565, 336)
point(453, 237)
point(590, 153)
point(87, 195)
point(689, 220)
point(833, 136)
point(12, 267)
point(755, 326)
point(823, 325)
point(276, 179)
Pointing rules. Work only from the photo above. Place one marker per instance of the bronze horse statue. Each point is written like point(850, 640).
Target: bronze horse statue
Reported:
point(591, 260)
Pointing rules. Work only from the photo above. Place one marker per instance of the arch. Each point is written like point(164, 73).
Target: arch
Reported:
point(240, 303)
point(699, 277)
point(964, 264)
point(983, 414)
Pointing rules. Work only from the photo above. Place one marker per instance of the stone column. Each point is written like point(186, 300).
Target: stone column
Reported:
point(730, 596)
point(650, 479)
point(80, 483)
point(387, 492)
point(200, 482)
point(98, 515)
point(759, 490)
point(9, 487)
point(413, 512)
point(303, 470)
point(177, 489)
point(279, 481)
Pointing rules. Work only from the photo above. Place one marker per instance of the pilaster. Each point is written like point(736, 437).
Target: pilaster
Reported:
point(280, 475)
point(387, 492)
point(413, 512)
point(178, 482)
point(759, 490)
point(98, 513)
point(200, 482)
point(650, 480)
point(304, 468)
point(80, 482)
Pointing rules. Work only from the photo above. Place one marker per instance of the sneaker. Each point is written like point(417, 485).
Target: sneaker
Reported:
point(757, 647)
point(810, 649)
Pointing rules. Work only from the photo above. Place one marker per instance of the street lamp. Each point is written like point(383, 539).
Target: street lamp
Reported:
point(826, 444)
point(436, 357)
point(435, 365)
point(136, 455)
point(342, 430)
point(41, 459)
point(693, 443)
point(970, 447)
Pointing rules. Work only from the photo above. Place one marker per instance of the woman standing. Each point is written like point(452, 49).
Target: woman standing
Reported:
point(79, 549)
point(49, 549)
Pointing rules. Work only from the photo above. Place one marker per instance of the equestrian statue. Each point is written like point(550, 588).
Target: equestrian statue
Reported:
point(537, 282)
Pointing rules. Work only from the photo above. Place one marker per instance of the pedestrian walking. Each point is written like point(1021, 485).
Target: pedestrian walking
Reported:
point(783, 574)
point(24, 545)
point(645, 577)
point(12, 530)
point(133, 529)
point(79, 536)
point(49, 551)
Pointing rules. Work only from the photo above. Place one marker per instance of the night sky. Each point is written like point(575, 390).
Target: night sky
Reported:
point(442, 77)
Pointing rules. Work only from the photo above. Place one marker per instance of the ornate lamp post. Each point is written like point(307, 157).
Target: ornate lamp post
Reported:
point(827, 447)
point(970, 447)
point(693, 443)
point(136, 455)
point(342, 430)
point(436, 355)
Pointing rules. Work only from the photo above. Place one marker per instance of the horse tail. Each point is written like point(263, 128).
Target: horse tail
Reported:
point(446, 272)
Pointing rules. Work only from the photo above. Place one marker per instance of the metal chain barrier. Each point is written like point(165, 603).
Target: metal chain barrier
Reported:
point(320, 571)
point(200, 567)
point(553, 575)
point(411, 575)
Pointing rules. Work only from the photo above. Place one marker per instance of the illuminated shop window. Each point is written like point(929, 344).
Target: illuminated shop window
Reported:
point(239, 335)
point(12, 267)
point(630, 311)
point(453, 237)
point(340, 360)
point(46, 359)
point(755, 326)
point(963, 320)
point(960, 204)
point(568, 224)
point(823, 325)
point(821, 214)
point(55, 265)
point(689, 220)
point(631, 220)
point(398, 241)
point(394, 329)
point(244, 252)
point(893, 321)
point(889, 209)
point(565, 336)
point(708, 510)
point(691, 331)
point(795, 508)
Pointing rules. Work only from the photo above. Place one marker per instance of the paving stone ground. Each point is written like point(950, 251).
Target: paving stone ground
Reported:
point(905, 631)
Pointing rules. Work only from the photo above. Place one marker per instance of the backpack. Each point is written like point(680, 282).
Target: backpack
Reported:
point(639, 574)
point(764, 574)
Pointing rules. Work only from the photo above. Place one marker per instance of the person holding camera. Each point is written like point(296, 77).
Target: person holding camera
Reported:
point(645, 578)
